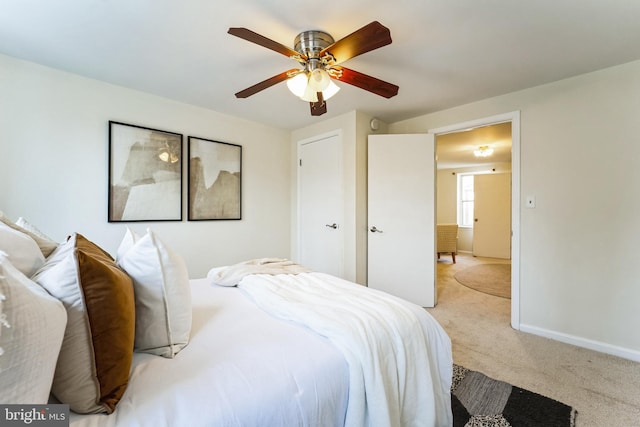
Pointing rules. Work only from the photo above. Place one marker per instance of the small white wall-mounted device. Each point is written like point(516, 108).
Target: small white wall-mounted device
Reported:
point(531, 202)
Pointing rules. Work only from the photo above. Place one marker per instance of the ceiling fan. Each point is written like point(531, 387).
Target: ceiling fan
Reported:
point(320, 56)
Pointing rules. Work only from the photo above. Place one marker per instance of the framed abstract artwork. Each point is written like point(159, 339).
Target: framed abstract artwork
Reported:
point(145, 174)
point(215, 177)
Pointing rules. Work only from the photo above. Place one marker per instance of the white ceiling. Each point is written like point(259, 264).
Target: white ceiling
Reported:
point(444, 52)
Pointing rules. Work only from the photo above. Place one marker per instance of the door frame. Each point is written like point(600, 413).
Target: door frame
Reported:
point(514, 118)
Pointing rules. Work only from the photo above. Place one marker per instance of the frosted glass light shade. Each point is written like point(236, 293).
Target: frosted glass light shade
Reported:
point(310, 95)
point(307, 88)
point(297, 84)
point(319, 80)
point(331, 90)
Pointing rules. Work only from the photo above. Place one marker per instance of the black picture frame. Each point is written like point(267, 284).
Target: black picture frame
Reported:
point(145, 174)
point(214, 180)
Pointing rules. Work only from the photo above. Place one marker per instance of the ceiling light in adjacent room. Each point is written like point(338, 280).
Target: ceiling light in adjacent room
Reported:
point(483, 151)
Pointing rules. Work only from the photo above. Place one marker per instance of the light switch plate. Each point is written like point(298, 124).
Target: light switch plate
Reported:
point(531, 202)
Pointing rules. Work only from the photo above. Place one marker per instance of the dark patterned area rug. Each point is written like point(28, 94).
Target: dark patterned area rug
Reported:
point(480, 401)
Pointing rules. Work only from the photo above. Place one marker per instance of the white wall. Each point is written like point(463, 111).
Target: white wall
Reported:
point(579, 151)
point(54, 165)
point(579, 246)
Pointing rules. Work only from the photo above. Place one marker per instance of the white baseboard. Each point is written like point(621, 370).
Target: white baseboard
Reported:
point(602, 347)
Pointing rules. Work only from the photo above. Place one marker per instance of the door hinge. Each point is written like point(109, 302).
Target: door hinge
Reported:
point(300, 162)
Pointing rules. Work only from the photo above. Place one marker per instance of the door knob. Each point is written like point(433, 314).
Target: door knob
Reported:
point(334, 225)
point(375, 230)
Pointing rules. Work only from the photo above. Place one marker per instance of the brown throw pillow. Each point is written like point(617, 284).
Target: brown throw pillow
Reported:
point(93, 367)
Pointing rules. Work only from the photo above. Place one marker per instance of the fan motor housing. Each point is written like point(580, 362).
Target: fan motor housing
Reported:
point(310, 43)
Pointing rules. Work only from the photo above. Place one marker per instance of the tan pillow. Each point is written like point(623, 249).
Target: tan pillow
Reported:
point(22, 250)
point(93, 367)
point(45, 244)
point(162, 292)
point(32, 324)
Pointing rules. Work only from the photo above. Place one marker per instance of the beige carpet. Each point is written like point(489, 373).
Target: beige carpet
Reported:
point(492, 279)
point(604, 389)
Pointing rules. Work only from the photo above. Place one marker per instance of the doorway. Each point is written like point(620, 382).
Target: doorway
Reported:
point(444, 209)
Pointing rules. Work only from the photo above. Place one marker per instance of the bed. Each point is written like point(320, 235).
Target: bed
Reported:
point(241, 367)
point(257, 346)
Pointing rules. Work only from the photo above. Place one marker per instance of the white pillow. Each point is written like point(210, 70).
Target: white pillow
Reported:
point(32, 325)
point(22, 250)
point(162, 293)
point(130, 238)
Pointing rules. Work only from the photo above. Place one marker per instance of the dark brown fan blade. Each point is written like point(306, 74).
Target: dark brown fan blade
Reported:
point(320, 107)
point(363, 81)
point(256, 38)
point(367, 38)
point(265, 84)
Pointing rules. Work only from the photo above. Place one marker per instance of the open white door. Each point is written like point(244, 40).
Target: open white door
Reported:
point(401, 216)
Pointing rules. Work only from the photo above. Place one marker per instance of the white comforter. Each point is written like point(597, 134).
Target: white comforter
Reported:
point(242, 368)
point(400, 362)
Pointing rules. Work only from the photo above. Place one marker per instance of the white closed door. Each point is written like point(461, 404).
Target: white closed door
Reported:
point(320, 205)
point(492, 215)
point(401, 216)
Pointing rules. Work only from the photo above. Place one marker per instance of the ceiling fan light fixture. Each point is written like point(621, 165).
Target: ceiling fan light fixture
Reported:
point(331, 90)
point(319, 55)
point(310, 94)
point(298, 84)
point(319, 79)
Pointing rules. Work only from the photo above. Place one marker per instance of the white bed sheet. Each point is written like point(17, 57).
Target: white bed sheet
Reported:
point(242, 367)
